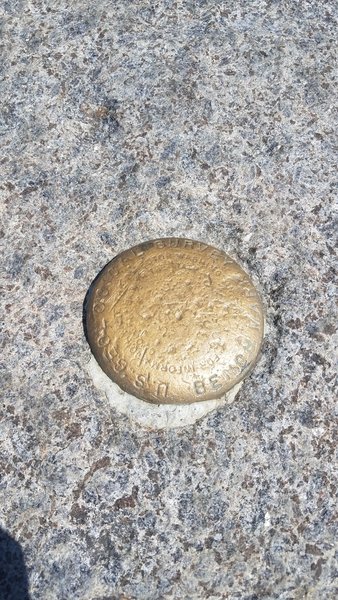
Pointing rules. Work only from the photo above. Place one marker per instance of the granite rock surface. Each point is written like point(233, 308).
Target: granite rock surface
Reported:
point(125, 121)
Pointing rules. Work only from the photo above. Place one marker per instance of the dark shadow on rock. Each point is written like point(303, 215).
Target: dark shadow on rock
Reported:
point(13, 573)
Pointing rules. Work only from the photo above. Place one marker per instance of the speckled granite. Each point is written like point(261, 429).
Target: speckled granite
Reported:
point(124, 121)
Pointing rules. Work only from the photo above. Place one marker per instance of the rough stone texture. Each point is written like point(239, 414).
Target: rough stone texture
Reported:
point(124, 121)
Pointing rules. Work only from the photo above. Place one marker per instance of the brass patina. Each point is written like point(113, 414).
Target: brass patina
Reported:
point(174, 321)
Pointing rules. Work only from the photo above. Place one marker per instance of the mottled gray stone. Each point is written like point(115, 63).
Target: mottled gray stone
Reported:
point(124, 121)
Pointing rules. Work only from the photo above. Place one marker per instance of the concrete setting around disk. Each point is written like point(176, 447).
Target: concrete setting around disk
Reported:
point(154, 416)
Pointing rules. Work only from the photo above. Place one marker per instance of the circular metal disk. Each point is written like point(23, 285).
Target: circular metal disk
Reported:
point(174, 321)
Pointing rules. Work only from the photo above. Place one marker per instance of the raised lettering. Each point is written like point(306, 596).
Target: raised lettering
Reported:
point(162, 390)
point(187, 243)
point(199, 387)
point(240, 360)
point(215, 383)
point(140, 381)
point(119, 365)
point(98, 306)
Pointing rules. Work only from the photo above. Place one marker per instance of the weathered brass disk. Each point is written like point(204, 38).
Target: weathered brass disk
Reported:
point(174, 321)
